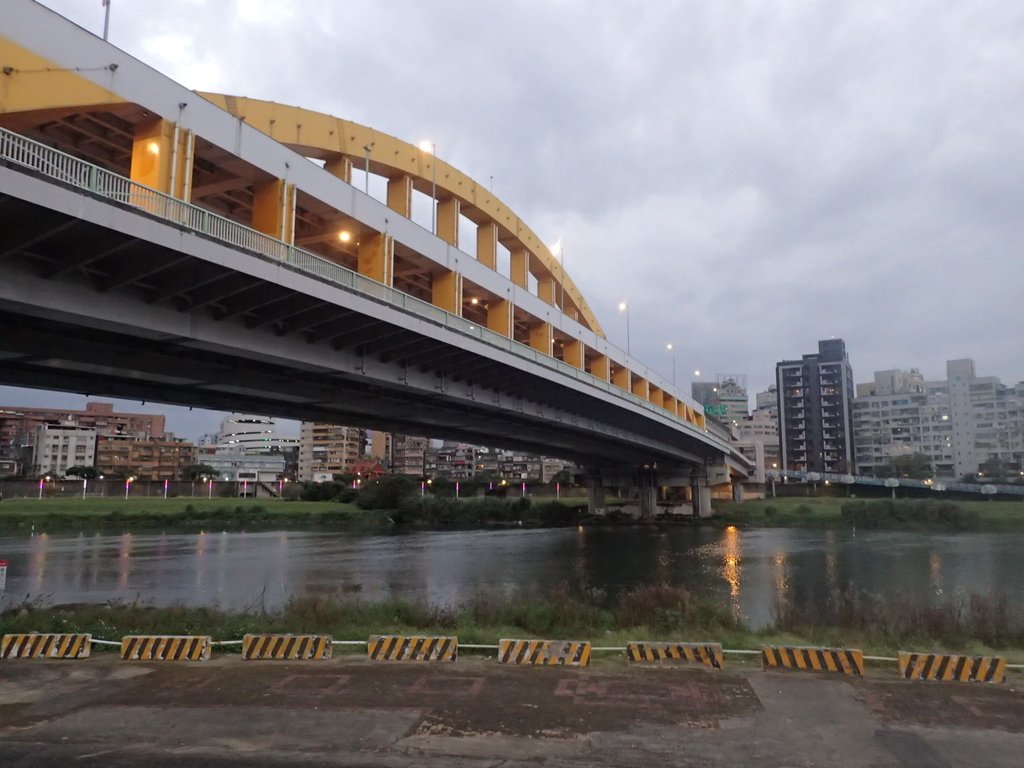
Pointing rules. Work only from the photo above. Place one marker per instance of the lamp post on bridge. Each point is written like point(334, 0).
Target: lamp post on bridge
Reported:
point(624, 307)
point(671, 348)
point(429, 146)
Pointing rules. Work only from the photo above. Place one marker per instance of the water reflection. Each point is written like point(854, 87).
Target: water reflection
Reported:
point(747, 572)
point(731, 566)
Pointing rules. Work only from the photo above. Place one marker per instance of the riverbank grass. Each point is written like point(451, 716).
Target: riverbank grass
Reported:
point(976, 625)
point(62, 513)
point(827, 512)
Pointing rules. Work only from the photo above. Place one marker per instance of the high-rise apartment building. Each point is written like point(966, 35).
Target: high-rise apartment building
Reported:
point(958, 423)
point(987, 416)
point(815, 400)
point(326, 450)
point(407, 454)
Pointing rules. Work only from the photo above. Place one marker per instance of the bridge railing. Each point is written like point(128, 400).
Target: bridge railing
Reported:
point(78, 173)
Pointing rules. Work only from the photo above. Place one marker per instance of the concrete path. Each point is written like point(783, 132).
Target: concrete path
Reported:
point(476, 713)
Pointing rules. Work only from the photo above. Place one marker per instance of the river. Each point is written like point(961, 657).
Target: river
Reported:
point(747, 571)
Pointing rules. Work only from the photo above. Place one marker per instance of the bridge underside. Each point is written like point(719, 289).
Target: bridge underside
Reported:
point(106, 300)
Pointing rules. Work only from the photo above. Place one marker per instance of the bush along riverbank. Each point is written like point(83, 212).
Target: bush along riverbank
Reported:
point(656, 612)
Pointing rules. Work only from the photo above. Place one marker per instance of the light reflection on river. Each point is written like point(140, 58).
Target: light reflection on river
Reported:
point(746, 571)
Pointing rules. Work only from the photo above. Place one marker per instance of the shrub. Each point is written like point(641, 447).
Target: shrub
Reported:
point(386, 492)
point(884, 512)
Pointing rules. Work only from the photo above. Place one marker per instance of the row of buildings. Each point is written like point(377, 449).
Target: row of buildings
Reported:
point(38, 442)
point(815, 419)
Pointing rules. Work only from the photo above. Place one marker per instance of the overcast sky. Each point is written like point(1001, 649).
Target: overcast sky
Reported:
point(750, 177)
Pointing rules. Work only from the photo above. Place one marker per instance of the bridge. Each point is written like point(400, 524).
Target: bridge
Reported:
point(209, 250)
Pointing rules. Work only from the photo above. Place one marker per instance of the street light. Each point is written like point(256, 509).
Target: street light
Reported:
point(429, 146)
point(672, 349)
point(624, 307)
point(558, 250)
point(366, 187)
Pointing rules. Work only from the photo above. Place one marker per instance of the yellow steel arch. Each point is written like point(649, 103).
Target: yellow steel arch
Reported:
point(315, 134)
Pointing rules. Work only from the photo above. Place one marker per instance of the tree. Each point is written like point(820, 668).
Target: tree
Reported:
point(563, 476)
point(914, 466)
point(993, 469)
point(386, 492)
point(196, 471)
point(86, 473)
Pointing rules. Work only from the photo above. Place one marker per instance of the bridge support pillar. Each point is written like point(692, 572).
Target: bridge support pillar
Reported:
point(156, 161)
point(647, 488)
point(448, 220)
point(273, 209)
point(487, 245)
point(340, 167)
point(595, 495)
point(519, 267)
point(400, 195)
point(377, 258)
point(499, 317)
point(446, 291)
point(547, 289)
point(572, 353)
point(701, 492)
point(540, 337)
point(620, 378)
point(656, 396)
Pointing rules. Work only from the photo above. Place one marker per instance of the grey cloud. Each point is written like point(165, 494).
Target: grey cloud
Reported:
point(752, 176)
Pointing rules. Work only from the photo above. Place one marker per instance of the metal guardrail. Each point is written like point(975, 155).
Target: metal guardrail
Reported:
point(100, 182)
point(820, 477)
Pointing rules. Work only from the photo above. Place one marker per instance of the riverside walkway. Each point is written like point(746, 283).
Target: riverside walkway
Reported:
point(351, 712)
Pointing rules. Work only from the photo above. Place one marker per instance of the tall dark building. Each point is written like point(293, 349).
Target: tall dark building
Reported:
point(815, 398)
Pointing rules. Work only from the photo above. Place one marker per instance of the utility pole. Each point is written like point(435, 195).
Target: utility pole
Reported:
point(106, 18)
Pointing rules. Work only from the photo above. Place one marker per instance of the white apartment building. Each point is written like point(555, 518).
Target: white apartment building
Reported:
point(894, 416)
point(957, 423)
point(59, 447)
point(757, 438)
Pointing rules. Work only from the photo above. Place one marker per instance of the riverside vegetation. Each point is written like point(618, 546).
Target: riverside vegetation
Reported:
point(974, 624)
point(396, 500)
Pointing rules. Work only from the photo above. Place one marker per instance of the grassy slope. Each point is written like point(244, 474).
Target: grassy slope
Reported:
point(826, 512)
point(54, 513)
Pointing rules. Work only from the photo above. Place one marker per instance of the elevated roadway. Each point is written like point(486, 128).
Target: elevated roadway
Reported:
point(156, 245)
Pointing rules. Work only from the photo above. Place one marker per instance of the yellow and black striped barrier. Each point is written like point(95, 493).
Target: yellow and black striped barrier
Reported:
point(567, 653)
point(286, 647)
point(412, 648)
point(708, 654)
point(848, 661)
point(165, 648)
point(946, 666)
point(45, 646)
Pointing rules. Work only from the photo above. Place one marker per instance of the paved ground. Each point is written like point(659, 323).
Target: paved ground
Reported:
point(476, 713)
